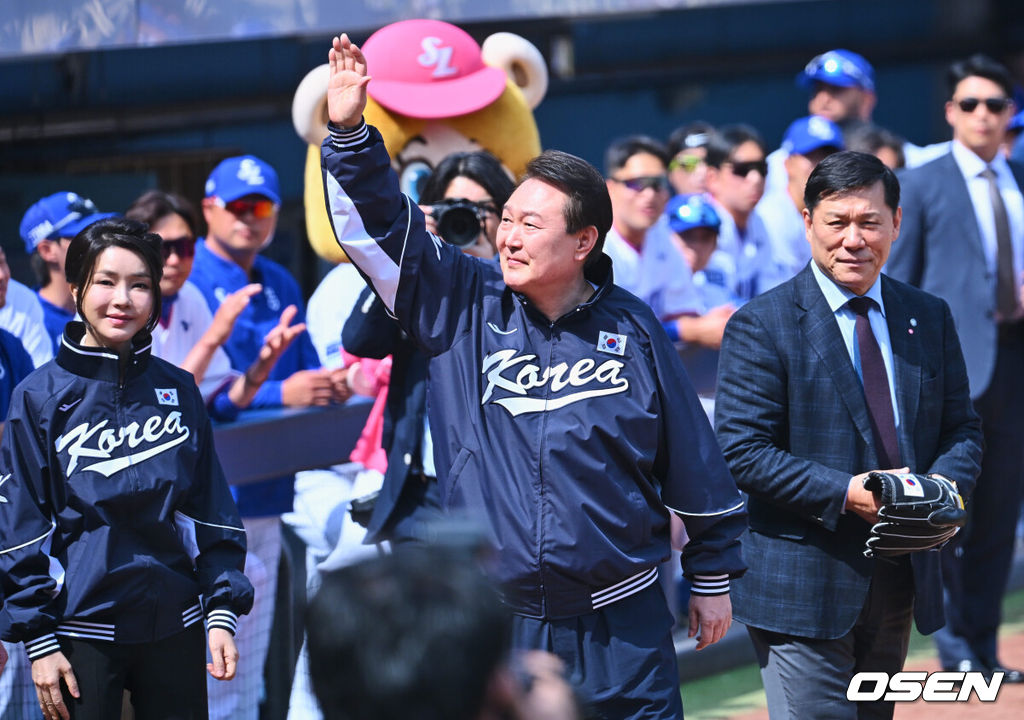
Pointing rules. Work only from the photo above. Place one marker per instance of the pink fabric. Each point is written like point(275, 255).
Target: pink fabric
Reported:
point(371, 378)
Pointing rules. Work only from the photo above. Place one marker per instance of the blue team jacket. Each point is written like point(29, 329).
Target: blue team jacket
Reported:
point(116, 522)
point(570, 440)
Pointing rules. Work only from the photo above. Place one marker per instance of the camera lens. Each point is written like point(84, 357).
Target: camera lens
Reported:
point(457, 223)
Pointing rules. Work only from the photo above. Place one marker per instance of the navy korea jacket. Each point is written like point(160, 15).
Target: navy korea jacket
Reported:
point(116, 522)
point(571, 441)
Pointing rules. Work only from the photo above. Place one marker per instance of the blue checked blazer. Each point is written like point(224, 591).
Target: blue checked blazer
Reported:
point(793, 425)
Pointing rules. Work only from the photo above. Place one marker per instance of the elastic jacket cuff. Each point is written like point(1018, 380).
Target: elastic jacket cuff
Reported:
point(42, 646)
point(221, 618)
point(710, 585)
point(342, 138)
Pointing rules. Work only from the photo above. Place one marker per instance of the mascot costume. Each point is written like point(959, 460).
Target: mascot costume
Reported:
point(434, 91)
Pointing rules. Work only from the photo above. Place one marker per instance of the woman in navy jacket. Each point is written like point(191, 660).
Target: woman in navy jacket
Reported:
point(118, 535)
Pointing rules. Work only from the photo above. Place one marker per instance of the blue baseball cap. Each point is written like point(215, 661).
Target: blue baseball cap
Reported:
point(244, 175)
point(842, 68)
point(61, 215)
point(686, 212)
point(807, 134)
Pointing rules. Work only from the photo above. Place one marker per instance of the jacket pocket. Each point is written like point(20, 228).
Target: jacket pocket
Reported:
point(451, 489)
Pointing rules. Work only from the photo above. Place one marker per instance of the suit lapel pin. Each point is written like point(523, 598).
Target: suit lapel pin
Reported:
point(913, 324)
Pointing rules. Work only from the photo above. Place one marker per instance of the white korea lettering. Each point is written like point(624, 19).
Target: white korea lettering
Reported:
point(498, 368)
point(908, 686)
point(152, 430)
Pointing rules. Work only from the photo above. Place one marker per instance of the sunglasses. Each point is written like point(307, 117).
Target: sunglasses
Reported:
point(658, 183)
point(260, 209)
point(184, 247)
point(688, 163)
point(995, 105)
point(742, 169)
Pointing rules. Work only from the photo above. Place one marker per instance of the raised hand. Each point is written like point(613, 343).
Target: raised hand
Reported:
point(228, 312)
point(280, 337)
point(278, 340)
point(346, 89)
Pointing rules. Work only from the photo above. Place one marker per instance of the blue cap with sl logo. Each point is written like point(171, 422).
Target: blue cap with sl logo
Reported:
point(842, 68)
point(807, 134)
point(244, 175)
point(686, 212)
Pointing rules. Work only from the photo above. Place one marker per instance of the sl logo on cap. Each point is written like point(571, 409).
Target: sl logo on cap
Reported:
point(438, 56)
point(249, 172)
point(611, 343)
point(167, 396)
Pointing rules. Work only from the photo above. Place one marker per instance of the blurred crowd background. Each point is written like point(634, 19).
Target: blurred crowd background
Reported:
point(114, 96)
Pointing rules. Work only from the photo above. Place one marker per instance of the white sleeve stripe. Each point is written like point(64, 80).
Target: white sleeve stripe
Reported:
point(364, 251)
point(408, 225)
point(43, 645)
point(723, 583)
point(213, 525)
point(45, 535)
point(710, 514)
point(348, 138)
point(698, 590)
point(222, 618)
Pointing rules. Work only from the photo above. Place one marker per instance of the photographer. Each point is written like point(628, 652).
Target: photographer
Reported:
point(409, 501)
point(464, 185)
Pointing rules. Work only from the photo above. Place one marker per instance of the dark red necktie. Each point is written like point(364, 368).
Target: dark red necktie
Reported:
point(876, 387)
point(1006, 286)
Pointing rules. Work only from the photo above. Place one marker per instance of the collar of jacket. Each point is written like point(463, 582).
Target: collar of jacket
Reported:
point(101, 363)
point(600, 274)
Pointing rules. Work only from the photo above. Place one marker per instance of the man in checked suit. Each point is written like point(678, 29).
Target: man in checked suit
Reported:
point(800, 430)
point(963, 240)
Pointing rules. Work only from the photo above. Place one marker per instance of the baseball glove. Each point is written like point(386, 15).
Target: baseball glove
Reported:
point(918, 512)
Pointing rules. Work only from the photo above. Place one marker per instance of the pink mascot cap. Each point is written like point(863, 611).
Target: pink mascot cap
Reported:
point(429, 69)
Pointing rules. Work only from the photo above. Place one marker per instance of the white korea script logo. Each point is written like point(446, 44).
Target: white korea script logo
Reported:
point(152, 431)
point(516, 374)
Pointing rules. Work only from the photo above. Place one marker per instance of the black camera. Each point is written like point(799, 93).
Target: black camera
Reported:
point(457, 222)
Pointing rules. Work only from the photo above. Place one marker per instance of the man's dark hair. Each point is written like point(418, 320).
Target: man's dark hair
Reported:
point(416, 634)
point(691, 135)
point(86, 247)
point(481, 167)
point(622, 149)
point(846, 171)
point(723, 142)
point(154, 205)
point(870, 139)
point(983, 66)
point(587, 201)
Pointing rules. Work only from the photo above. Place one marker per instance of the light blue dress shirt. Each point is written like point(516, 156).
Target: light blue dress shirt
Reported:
point(837, 296)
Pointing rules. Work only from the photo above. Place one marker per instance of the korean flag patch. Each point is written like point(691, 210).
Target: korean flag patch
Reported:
point(167, 396)
point(611, 343)
point(911, 486)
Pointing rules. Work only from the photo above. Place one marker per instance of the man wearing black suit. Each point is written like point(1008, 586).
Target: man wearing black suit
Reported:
point(800, 429)
point(962, 238)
